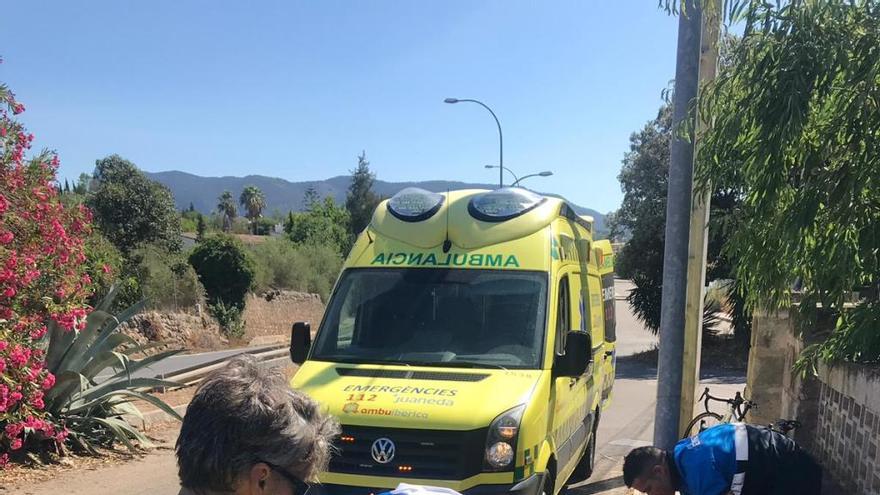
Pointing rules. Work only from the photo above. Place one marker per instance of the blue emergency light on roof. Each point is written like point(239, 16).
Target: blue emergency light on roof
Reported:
point(414, 204)
point(503, 204)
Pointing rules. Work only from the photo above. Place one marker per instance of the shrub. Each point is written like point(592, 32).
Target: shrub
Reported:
point(324, 224)
point(225, 269)
point(321, 265)
point(43, 278)
point(103, 261)
point(229, 319)
point(281, 264)
point(188, 223)
point(166, 280)
point(264, 226)
point(94, 384)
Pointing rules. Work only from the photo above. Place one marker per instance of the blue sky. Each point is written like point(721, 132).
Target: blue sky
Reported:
point(297, 89)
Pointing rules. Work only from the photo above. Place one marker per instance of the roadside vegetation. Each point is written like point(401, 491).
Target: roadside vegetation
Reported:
point(796, 114)
point(641, 221)
point(79, 260)
point(64, 369)
point(792, 166)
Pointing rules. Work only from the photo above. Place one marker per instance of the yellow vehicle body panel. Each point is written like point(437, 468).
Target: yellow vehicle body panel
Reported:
point(560, 413)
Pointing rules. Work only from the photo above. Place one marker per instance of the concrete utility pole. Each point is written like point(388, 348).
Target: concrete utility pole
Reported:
point(675, 255)
point(699, 231)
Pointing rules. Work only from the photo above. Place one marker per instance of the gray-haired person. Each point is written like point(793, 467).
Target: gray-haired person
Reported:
point(247, 433)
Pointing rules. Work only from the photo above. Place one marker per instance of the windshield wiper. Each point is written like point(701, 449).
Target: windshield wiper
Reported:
point(471, 364)
point(352, 360)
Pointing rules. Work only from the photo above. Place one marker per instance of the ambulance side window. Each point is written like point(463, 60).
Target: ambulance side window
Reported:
point(347, 321)
point(563, 315)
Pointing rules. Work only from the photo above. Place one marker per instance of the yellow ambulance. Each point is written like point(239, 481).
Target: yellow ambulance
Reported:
point(469, 343)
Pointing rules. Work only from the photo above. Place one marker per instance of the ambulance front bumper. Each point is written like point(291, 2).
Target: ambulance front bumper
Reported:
point(532, 485)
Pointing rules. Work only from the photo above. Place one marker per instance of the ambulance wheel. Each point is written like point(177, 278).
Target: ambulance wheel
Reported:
point(584, 469)
point(548, 484)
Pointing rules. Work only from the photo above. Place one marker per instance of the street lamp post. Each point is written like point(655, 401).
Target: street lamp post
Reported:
point(500, 137)
point(516, 180)
point(502, 167)
point(545, 173)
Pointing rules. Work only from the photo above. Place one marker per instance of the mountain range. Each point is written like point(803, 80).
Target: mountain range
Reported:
point(283, 196)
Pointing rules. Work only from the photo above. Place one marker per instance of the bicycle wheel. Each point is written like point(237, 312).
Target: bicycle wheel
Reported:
point(701, 422)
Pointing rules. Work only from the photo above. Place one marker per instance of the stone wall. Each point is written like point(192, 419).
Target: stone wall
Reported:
point(274, 313)
point(779, 392)
point(839, 409)
point(268, 319)
point(848, 437)
point(178, 330)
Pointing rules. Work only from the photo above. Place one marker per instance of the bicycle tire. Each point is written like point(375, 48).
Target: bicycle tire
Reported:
point(698, 423)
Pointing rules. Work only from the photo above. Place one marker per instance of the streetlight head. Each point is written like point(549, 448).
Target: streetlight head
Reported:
point(450, 100)
point(546, 173)
point(490, 166)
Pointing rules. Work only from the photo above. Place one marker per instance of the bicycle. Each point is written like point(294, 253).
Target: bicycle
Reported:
point(737, 409)
point(784, 426)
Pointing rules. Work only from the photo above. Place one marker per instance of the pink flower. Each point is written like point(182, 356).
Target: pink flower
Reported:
point(17, 108)
point(35, 372)
point(19, 356)
point(4, 460)
point(105, 268)
point(2, 365)
point(6, 237)
point(48, 382)
point(15, 445)
point(9, 292)
point(38, 333)
point(61, 435)
point(14, 429)
point(3, 345)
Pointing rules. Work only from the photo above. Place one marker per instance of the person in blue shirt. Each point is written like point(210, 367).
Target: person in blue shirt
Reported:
point(727, 459)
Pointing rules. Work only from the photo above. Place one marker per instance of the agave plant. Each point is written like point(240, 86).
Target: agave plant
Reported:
point(94, 386)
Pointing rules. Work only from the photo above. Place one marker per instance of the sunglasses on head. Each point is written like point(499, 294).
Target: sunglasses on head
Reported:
point(300, 487)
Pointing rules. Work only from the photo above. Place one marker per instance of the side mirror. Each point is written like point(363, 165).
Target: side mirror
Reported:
point(300, 341)
point(578, 355)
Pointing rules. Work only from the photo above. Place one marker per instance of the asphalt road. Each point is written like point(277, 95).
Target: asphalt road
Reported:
point(627, 423)
point(185, 361)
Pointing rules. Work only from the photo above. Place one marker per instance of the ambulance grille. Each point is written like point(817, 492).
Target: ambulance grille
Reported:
point(432, 454)
point(417, 375)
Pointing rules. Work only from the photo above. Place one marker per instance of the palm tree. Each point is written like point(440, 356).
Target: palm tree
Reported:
point(226, 207)
point(253, 201)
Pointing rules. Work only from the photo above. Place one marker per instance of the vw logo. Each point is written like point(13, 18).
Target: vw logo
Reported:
point(383, 450)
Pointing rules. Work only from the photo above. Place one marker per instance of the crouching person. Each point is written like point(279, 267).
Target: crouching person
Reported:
point(247, 433)
point(735, 459)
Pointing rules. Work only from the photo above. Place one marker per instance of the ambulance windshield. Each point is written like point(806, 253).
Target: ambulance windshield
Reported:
point(436, 317)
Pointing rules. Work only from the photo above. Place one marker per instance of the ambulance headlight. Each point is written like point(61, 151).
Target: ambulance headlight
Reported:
point(414, 204)
point(502, 438)
point(503, 204)
point(499, 455)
